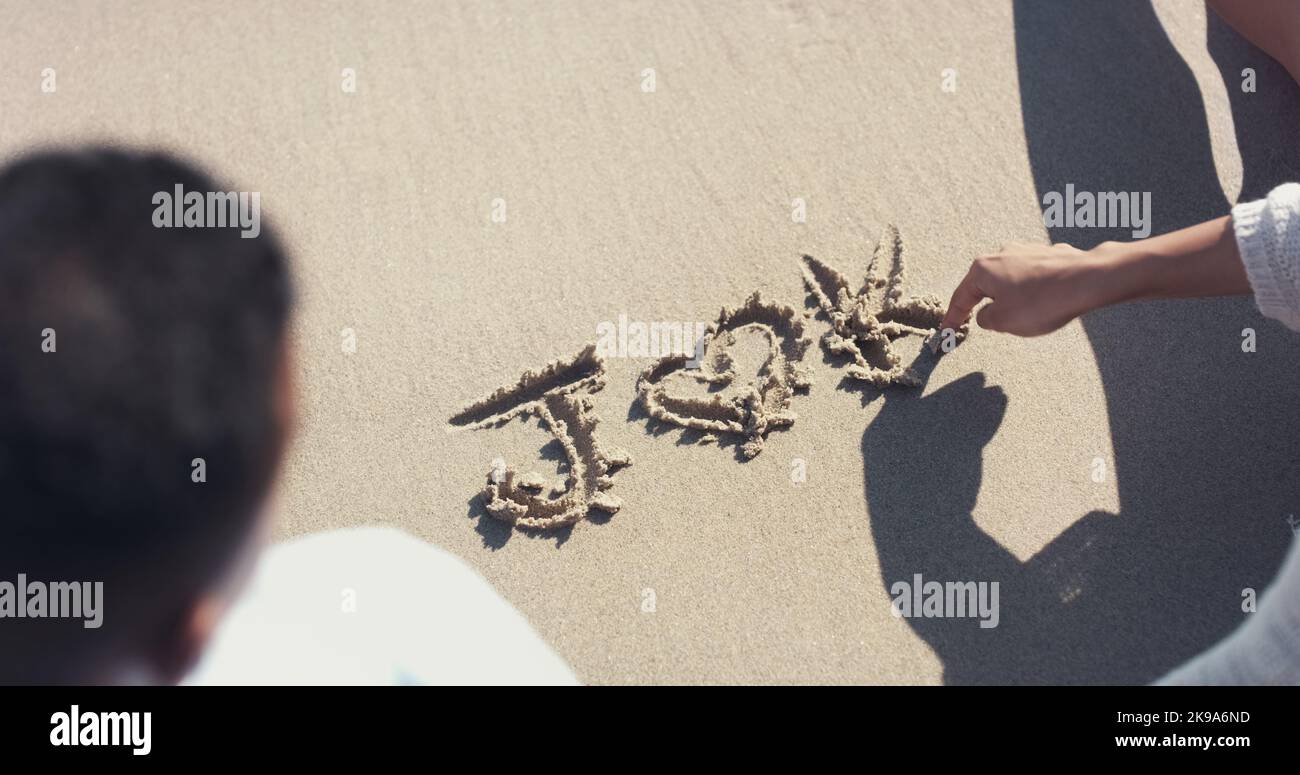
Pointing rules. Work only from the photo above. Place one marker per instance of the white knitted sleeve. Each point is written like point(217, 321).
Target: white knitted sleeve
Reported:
point(1268, 238)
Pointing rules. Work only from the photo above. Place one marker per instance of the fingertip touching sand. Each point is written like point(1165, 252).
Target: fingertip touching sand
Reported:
point(558, 395)
point(757, 408)
point(865, 325)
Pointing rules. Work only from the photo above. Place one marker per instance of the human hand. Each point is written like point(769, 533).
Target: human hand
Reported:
point(1034, 289)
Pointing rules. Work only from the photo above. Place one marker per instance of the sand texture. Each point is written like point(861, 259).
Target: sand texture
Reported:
point(508, 176)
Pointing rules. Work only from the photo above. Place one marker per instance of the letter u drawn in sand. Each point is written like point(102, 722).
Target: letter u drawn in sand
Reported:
point(758, 408)
point(558, 395)
point(865, 325)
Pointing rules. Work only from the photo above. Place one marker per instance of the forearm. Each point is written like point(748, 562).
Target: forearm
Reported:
point(1036, 289)
point(1255, 250)
point(1201, 260)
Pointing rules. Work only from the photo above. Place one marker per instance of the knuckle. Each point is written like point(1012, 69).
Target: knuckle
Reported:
point(984, 269)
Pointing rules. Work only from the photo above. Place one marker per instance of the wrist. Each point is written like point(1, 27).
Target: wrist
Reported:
point(1113, 272)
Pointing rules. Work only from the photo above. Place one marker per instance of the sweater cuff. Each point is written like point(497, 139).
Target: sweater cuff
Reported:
point(1258, 227)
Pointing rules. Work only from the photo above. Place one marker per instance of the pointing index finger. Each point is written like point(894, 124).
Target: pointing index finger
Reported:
point(964, 299)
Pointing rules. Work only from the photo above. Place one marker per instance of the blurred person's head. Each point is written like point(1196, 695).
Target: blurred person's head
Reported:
point(144, 407)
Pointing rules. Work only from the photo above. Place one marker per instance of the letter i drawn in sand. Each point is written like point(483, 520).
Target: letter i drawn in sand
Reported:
point(865, 325)
point(559, 395)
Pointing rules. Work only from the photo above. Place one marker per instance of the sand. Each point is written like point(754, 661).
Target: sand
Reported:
point(503, 180)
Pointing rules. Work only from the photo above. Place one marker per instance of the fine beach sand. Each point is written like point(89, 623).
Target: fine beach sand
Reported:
point(1123, 479)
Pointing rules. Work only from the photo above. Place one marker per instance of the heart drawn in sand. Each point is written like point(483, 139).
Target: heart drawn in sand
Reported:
point(759, 406)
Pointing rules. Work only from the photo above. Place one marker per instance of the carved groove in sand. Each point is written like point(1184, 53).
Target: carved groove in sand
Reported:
point(865, 325)
point(559, 396)
point(759, 407)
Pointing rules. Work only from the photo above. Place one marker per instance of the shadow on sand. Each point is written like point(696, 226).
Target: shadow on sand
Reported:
point(1203, 434)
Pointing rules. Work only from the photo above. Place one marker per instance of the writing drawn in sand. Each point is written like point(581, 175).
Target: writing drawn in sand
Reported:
point(755, 409)
point(865, 325)
point(559, 396)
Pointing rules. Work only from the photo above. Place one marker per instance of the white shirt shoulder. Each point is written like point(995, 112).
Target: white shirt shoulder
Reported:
point(373, 606)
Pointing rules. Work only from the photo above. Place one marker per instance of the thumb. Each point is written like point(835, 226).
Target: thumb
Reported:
point(992, 316)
